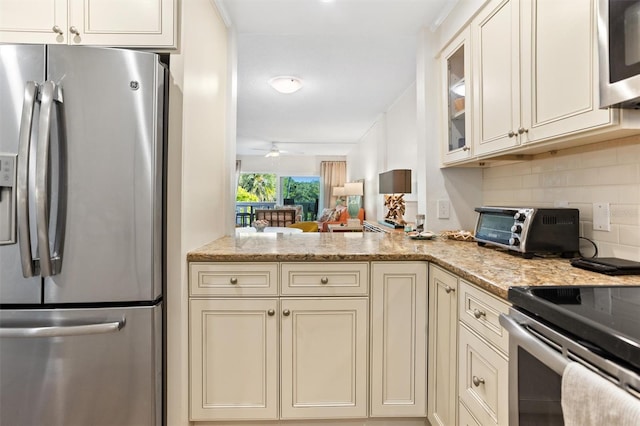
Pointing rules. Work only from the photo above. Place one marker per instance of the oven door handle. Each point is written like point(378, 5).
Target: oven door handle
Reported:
point(526, 340)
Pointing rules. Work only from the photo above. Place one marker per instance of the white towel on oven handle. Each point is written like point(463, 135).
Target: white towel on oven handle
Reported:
point(590, 399)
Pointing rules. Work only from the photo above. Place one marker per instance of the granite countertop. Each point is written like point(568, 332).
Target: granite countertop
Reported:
point(492, 269)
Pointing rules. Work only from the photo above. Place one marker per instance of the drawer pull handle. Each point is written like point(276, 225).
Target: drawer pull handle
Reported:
point(286, 312)
point(449, 289)
point(324, 280)
point(511, 133)
point(478, 313)
point(271, 312)
point(477, 381)
point(233, 280)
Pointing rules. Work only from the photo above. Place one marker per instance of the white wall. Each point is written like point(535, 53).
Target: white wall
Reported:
point(607, 172)
point(362, 163)
point(198, 175)
point(285, 165)
point(389, 144)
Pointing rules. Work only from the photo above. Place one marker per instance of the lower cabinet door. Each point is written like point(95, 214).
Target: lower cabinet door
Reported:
point(398, 339)
point(234, 359)
point(442, 392)
point(323, 358)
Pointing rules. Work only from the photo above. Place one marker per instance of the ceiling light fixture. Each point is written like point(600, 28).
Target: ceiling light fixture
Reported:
point(274, 152)
point(286, 84)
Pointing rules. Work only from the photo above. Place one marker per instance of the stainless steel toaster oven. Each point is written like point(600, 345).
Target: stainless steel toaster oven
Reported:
point(530, 230)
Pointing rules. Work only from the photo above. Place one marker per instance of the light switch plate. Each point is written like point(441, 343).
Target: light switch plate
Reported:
point(443, 209)
point(601, 217)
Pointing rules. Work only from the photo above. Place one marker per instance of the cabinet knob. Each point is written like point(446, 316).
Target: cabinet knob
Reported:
point(477, 381)
point(522, 130)
point(466, 148)
point(74, 30)
point(478, 313)
point(233, 280)
point(56, 29)
point(449, 289)
point(324, 280)
point(271, 312)
point(511, 133)
point(286, 312)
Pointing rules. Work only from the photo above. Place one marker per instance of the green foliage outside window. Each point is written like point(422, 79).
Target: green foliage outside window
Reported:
point(262, 186)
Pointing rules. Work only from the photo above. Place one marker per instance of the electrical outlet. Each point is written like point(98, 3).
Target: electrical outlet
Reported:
point(601, 217)
point(443, 209)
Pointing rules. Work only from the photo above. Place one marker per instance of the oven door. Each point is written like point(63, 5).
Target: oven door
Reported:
point(619, 52)
point(536, 364)
point(538, 356)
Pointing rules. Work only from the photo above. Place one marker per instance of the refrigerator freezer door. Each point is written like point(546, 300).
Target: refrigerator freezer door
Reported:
point(71, 367)
point(18, 64)
point(111, 112)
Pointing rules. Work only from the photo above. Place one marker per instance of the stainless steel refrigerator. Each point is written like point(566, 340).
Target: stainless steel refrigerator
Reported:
point(81, 236)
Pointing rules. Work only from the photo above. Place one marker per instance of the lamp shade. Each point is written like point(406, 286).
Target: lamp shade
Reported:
point(353, 188)
point(338, 191)
point(395, 182)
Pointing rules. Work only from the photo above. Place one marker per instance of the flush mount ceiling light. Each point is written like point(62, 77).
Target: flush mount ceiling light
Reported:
point(286, 84)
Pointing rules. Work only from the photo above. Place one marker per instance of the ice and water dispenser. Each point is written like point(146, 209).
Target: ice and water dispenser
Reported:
point(7, 199)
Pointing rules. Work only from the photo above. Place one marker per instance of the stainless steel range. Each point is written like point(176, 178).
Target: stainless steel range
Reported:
point(598, 327)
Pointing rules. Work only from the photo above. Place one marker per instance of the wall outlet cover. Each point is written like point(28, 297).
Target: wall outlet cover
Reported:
point(601, 217)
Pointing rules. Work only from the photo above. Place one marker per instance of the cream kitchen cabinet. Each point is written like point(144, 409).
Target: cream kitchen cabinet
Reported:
point(398, 339)
point(233, 359)
point(443, 347)
point(267, 348)
point(535, 79)
point(124, 23)
point(455, 63)
point(323, 358)
point(482, 356)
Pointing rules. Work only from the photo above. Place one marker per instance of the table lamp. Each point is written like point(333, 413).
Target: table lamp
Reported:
point(353, 191)
point(394, 184)
point(338, 192)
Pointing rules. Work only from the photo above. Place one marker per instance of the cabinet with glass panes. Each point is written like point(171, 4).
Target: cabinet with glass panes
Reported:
point(455, 62)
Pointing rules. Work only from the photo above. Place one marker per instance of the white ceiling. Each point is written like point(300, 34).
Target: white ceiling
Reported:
point(355, 57)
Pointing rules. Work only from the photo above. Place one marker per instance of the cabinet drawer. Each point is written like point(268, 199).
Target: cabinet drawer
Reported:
point(325, 279)
point(233, 279)
point(483, 379)
point(481, 311)
point(465, 417)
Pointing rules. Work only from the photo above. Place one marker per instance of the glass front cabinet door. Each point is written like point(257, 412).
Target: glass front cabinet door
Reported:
point(456, 98)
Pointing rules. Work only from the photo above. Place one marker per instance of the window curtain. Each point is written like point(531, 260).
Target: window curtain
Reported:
point(332, 173)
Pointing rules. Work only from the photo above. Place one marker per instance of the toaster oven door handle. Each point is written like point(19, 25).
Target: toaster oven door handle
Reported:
point(519, 336)
point(496, 210)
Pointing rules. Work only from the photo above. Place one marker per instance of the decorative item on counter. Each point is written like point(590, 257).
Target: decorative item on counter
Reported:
point(260, 225)
point(460, 235)
point(394, 184)
point(419, 222)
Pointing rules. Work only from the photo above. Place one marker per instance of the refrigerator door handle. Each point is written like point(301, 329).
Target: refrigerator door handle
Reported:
point(29, 264)
point(48, 264)
point(61, 331)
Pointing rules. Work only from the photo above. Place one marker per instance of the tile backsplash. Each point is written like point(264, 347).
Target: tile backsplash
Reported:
point(606, 172)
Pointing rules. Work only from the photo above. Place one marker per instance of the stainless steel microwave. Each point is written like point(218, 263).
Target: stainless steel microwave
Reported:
point(619, 53)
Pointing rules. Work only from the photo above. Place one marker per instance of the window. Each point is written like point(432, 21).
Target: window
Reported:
point(301, 190)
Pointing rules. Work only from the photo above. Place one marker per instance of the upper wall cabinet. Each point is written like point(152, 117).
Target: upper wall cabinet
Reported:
point(456, 66)
point(496, 76)
point(124, 23)
point(534, 80)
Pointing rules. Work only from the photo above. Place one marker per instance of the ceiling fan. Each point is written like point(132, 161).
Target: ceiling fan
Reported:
point(273, 152)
